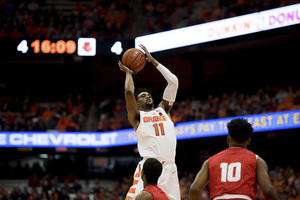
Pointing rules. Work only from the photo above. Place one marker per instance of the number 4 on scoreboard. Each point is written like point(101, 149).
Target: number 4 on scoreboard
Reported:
point(23, 46)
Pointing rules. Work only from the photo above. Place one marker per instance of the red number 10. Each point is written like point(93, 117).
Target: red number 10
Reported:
point(161, 126)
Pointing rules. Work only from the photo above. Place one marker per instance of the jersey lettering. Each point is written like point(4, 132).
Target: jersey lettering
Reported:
point(154, 119)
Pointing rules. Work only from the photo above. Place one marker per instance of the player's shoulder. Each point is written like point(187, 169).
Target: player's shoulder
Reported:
point(220, 153)
point(165, 105)
point(144, 195)
point(227, 151)
point(245, 151)
point(236, 150)
point(242, 153)
point(159, 108)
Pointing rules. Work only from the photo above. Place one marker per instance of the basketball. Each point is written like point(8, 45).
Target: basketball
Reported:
point(134, 59)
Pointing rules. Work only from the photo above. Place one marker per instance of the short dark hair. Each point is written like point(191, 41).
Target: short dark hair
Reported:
point(140, 90)
point(152, 169)
point(240, 129)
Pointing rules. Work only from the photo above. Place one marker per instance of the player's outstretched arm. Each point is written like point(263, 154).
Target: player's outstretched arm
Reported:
point(170, 92)
point(264, 181)
point(200, 182)
point(131, 106)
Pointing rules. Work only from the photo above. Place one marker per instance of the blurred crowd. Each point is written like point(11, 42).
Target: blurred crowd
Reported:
point(106, 19)
point(40, 113)
point(47, 188)
point(166, 15)
point(285, 180)
point(73, 113)
point(269, 99)
point(41, 19)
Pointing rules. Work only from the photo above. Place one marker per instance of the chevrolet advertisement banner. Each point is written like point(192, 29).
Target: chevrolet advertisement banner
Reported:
point(184, 130)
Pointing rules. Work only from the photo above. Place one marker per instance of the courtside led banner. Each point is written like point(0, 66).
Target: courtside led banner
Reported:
point(184, 130)
point(221, 29)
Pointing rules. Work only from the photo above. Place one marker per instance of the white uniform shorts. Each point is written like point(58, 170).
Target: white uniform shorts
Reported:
point(168, 181)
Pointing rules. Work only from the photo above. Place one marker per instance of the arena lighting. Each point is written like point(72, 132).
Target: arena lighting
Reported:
point(221, 29)
point(184, 130)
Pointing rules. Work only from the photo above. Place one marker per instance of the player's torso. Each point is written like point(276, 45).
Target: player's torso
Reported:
point(233, 171)
point(156, 135)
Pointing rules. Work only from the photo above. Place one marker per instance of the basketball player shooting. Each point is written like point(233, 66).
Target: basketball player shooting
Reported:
point(154, 128)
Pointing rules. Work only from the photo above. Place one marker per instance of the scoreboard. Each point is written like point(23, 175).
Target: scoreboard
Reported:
point(162, 41)
point(45, 46)
point(83, 46)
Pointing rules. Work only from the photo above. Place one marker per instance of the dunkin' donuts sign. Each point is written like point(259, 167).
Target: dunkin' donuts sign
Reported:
point(283, 16)
point(221, 29)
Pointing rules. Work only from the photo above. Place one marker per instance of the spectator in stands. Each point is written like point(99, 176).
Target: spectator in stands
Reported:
point(46, 183)
point(45, 195)
point(76, 186)
point(63, 122)
point(34, 181)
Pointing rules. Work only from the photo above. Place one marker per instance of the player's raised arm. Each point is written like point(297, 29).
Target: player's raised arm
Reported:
point(133, 113)
point(170, 92)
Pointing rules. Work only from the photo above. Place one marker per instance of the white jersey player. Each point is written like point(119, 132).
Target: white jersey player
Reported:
point(154, 128)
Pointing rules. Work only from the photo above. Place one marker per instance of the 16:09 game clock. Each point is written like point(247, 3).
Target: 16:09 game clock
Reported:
point(84, 46)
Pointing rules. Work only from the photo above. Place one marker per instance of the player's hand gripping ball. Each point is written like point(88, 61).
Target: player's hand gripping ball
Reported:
point(134, 59)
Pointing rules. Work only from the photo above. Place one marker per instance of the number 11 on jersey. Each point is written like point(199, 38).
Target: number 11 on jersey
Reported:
point(158, 127)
